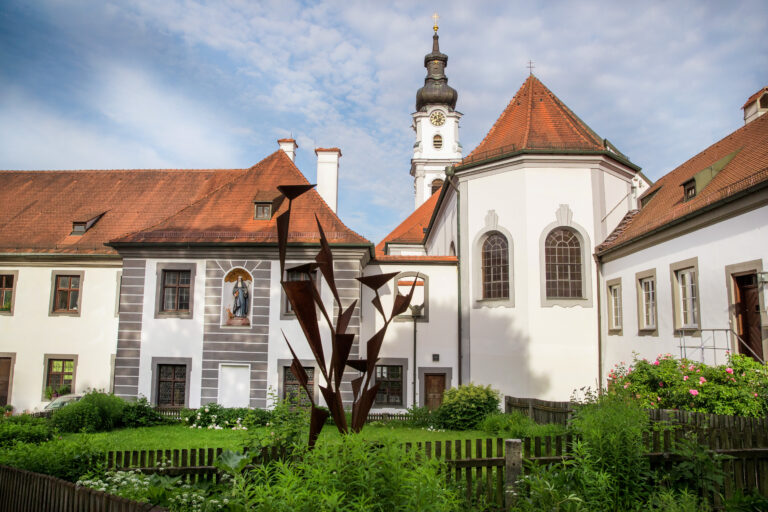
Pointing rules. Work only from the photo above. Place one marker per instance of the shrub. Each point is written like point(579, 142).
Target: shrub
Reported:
point(287, 428)
point(739, 387)
point(140, 414)
point(463, 408)
point(611, 431)
point(67, 459)
point(160, 490)
point(95, 412)
point(517, 425)
point(349, 475)
point(23, 429)
point(216, 417)
point(257, 418)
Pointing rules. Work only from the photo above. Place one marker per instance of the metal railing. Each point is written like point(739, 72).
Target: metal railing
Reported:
point(709, 340)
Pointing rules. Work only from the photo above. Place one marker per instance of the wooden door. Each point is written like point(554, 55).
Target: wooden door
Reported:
point(434, 385)
point(5, 380)
point(747, 309)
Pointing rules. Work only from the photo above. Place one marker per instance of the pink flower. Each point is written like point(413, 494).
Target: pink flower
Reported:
point(691, 367)
point(702, 380)
point(733, 380)
point(658, 398)
point(661, 384)
point(656, 363)
point(626, 385)
point(685, 377)
point(755, 395)
point(693, 392)
point(729, 370)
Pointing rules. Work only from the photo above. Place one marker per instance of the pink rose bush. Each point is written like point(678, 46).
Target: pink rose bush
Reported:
point(737, 387)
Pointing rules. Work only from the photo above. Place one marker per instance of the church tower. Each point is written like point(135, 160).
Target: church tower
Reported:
point(436, 123)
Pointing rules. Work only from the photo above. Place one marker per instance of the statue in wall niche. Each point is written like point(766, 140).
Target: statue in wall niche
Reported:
point(240, 294)
point(238, 314)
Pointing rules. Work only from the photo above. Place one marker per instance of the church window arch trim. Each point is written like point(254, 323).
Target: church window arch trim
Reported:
point(580, 234)
point(422, 280)
point(479, 298)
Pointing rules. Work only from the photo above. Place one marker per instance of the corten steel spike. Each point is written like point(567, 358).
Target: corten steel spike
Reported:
point(305, 301)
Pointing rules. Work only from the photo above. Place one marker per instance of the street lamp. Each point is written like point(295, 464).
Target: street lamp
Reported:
point(416, 310)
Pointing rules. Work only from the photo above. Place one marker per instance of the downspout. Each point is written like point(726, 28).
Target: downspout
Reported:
point(450, 173)
point(599, 273)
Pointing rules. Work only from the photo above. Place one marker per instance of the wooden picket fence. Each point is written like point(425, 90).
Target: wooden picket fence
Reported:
point(487, 469)
point(24, 491)
point(540, 411)
point(388, 416)
point(173, 413)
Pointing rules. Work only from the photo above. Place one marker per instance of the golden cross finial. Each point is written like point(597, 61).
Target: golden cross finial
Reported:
point(530, 66)
point(435, 17)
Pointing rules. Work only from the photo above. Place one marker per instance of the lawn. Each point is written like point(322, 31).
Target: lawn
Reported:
point(180, 436)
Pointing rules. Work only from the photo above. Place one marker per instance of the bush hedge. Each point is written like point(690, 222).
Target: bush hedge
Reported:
point(23, 429)
point(739, 387)
point(463, 408)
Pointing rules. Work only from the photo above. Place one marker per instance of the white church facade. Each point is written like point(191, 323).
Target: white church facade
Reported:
point(540, 259)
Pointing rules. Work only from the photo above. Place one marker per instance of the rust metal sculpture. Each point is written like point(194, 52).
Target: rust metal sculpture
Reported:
point(305, 301)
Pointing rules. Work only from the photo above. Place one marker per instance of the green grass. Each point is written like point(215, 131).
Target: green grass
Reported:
point(178, 437)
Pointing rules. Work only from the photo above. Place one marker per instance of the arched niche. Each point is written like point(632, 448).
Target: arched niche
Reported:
point(237, 297)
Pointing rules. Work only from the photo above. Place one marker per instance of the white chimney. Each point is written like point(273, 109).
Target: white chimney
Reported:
point(289, 146)
point(328, 175)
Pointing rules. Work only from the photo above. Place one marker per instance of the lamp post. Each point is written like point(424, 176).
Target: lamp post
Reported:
point(416, 310)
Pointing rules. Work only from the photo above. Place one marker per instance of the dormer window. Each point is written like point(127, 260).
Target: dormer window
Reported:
point(689, 188)
point(262, 211)
point(79, 227)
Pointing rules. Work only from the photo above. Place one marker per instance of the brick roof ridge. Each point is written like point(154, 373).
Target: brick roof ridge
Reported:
point(530, 111)
point(418, 218)
point(169, 217)
point(619, 229)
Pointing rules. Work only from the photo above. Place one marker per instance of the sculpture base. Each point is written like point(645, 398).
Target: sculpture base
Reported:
point(238, 322)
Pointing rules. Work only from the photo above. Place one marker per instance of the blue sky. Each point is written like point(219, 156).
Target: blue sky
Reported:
point(189, 84)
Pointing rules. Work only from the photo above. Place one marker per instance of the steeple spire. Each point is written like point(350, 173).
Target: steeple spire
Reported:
point(436, 89)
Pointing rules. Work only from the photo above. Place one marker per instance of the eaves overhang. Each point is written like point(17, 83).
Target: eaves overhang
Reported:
point(503, 155)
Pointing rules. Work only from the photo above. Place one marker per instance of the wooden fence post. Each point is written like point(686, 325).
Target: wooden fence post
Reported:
point(513, 468)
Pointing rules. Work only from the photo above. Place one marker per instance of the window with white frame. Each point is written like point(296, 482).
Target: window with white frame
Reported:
point(648, 303)
point(687, 298)
point(615, 292)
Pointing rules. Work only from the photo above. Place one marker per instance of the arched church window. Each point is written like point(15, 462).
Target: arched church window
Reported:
point(437, 185)
point(564, 266)
point(437, 141)
point(495, 265)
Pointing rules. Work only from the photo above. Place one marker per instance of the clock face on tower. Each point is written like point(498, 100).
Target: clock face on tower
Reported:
point(437, 118)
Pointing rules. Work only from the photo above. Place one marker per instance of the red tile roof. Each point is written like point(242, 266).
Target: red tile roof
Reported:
point(37, 208)
point(226, 214)
point(411, 230)
point(536, 119)
point(665, 205)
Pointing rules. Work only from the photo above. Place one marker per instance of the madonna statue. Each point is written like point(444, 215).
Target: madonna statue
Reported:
point(240, 295)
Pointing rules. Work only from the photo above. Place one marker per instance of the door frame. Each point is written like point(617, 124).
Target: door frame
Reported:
point(423, 370)
point(740, 269)
point(12, 355)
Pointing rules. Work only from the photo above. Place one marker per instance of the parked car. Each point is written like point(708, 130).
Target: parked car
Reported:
point(61, 401)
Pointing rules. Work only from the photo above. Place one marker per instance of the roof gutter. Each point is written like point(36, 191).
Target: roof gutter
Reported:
point(450, 174)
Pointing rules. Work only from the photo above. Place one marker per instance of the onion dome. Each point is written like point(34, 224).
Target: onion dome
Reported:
point(436, 90)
